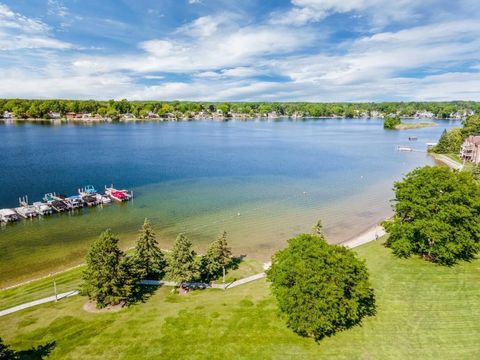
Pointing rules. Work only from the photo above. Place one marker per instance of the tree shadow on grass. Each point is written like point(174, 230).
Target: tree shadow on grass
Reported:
point(235, 262)
point(37, 353)
point(142, 293)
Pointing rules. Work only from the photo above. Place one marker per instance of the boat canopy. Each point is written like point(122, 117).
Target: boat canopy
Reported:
point(90, 189)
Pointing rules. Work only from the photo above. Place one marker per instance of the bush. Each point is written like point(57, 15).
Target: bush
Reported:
point(320, 288)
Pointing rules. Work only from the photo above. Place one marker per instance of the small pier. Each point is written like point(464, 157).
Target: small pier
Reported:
point(53, 202)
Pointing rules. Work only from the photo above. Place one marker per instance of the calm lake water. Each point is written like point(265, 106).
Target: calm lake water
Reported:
point(261, 181)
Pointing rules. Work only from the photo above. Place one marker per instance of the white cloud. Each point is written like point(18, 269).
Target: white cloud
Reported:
point(230, 47)
point(223, 56)
point(380, 12)
point(204, 26)
point(20, 32)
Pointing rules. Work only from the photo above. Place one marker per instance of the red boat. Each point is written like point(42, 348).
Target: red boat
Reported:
point(118, 195)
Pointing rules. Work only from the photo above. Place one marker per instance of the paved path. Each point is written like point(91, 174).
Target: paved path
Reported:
point(449, 162)
point(38, 302)
point(370, 235)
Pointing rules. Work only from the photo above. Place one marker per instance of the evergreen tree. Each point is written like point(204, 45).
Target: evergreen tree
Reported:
point(318, 228)
point(182, 266)
point(216, 258)
point(149, 259)
point(104, 277)
point(449, 143)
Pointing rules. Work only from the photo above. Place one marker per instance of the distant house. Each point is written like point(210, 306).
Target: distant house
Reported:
point(470, 150)
point(152, 115)
point(71, 115)
point(128, 116)
point(272, 115)
point(424, 114)
point(7, 115)
point(54, 115)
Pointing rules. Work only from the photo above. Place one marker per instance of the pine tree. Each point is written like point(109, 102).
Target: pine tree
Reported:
point(103, 278)
point(217, 257)
point(149, 259)
point(182, 265)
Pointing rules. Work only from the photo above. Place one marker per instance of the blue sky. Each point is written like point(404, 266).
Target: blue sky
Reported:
point(220, 50)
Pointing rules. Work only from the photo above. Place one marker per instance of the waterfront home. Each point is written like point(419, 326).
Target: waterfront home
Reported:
point(54, 115)
point(152, 115)
point(127, 116)
point(272, 115)
point(7, 115)
point(71, 115)
point(424, 114)
point(461, 114)
point(470, 149)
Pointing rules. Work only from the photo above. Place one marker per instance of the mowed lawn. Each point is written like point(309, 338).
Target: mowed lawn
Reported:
point(424, 311)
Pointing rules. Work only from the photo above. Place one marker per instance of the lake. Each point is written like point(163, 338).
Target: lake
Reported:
point(261, 181)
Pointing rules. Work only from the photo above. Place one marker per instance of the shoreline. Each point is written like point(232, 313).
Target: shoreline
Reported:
point(371, 234)
point(64, 121)
point(363, 237)
point(445, 160)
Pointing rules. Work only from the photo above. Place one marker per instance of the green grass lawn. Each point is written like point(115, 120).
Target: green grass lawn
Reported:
point(424, 311)
point(72, 279)
point(66, 281)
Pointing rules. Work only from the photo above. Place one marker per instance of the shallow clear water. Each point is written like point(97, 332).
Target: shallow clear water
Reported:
point(261, 181)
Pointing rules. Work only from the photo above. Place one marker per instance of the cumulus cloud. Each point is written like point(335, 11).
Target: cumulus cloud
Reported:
point(228, 56)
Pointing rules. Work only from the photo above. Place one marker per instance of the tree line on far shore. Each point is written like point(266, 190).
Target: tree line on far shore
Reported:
point(40, 109)
point(113, 276)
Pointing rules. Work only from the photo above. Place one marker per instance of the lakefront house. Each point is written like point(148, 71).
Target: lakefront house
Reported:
point(470, 149)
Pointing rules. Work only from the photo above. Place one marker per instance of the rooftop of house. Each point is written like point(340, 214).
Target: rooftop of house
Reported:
point(473, 139)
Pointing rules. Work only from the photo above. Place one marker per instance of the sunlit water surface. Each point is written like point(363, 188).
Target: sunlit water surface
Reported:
point(261, 181)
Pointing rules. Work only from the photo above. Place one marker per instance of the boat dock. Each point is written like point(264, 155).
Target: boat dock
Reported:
point(54, 203)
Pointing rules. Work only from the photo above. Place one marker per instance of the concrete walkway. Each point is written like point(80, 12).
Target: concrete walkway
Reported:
point(371, 234)
point(198, 285)
point(38, 302)
point(452, 164)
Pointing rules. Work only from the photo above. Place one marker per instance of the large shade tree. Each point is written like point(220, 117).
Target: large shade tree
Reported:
point(149, 259)
point(320, 288)
point(437, 216)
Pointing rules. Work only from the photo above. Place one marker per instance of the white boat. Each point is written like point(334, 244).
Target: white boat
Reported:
point(25, 210)
point(75, 201)
point(42, 208)
point(103, 199)
point(404, 148)
point(8, 215)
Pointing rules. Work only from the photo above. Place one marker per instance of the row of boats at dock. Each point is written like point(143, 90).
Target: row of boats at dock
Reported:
point(55, 203)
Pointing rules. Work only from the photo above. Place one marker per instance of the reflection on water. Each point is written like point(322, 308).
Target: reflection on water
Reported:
point(262, 182)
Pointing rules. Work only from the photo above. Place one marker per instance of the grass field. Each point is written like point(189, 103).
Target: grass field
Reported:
point(424, 311)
